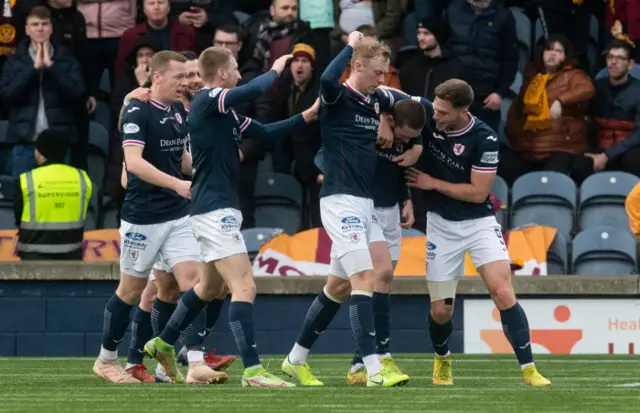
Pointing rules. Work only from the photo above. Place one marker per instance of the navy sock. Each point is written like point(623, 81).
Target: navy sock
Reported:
point(318, 317)
point(440, 334)
point(160, 315)
point(214, 308)
point(141, 332)
point(516, 329)
point(381, 303)
point(241, 324)
point(116, 321)
point(193, 336)
point(361, 318)
point(188, 309)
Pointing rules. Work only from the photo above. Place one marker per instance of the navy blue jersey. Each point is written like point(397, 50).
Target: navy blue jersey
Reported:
point(349, 130)
point(215, 133)
point(390, 187)
point(451, 156)
point(162, 131)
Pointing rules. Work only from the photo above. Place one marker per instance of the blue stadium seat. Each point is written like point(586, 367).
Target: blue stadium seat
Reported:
point(605, 251)
point(602, 197)
point(7, 219)
point(524, 32)
point(98, 139)
point(255, 238)
point(105, 82)
point(97, 170)
point(278, 200)
point(265, 166)
point(7, 187)
point(544, 198)
point(412, 232)
point(102, 116)
point(91, 221)
point(109, 214)
point(558, 256)
point(501, 191)
point(6, 159)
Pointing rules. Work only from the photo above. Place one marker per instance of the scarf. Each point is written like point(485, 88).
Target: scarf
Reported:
point(267, 32)
point(536, 104)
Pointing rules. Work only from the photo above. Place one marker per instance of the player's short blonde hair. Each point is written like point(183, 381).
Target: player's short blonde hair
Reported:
point(211, 60)
point(160, 61)
point(369, 48)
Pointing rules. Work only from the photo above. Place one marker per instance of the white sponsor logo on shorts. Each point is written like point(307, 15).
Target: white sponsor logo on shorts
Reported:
point(131, 128)
point(489, 157)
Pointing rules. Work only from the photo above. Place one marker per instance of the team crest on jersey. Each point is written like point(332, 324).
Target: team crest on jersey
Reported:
point(376, 107)
point(178, 118)
point(458, 148)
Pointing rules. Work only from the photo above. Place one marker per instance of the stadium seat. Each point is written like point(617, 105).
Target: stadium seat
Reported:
point(558, 256)
point(412, 232)
point(7, 188)
point(7, 218)
point(523, 31)
point(105, 82)
point(102, 116)
point(98, 138)
point(604, 251)
point(409, 27)
point(501, 191)
point(278, 200)
point(97, 170)
point(544, 198)
point(265, 166)
point(91, 222)
point(6, 159)
point(602, 197)
point(255, 238)
point(109, 214)
point(4, 124)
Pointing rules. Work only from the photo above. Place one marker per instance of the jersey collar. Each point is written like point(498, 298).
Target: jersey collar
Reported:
point(464, 130)
point(160, 105)
point(353, 89)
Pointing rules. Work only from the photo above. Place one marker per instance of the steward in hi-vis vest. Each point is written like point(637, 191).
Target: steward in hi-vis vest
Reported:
point(52, 201)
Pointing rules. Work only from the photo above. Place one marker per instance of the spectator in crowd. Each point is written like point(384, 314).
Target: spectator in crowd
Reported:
point(632, 205)
point(384, 15)
point(269, 36)
point(319, 15)
point(545, 123)
point(290, 99)
point(616, 112)
point(51, 203)
point(391, 79)
point(170, 34)
point(69, 30)
point(106, 22)
point(135, 76)
point(623, 16)
point(42, 85)
point(483, 36)
point(204, 16)
point(570, 18)
point(431, 65)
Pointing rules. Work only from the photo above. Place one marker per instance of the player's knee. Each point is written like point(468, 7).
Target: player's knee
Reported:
point(169, 293)
point(224, 292)
point(383, 277)
point(503, 296)
point(130, 288)
point(337, 288)
point(442, 310)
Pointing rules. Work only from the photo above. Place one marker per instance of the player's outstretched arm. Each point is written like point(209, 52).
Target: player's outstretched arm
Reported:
point(330, 87)
point(255, 88)
point(257, 130)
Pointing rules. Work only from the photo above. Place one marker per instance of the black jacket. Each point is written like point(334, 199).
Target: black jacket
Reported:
point(62, 89)
point(420, 75)
point(486, 43)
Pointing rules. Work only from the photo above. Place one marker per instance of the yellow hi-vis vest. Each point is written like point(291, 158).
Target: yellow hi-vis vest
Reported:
point(55, 202)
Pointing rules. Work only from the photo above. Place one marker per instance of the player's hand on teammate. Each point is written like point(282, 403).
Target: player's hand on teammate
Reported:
point(320, 179)
point(311, 114)
point(409, 157)
point(407, 215)
point(281, 62)
point(385, 132)
point(183, 188)
point(354, 38)
point(421, 180)
point(142, 94)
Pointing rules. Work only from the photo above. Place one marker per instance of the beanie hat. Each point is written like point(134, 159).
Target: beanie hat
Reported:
point(436, 26)
point(304, 50)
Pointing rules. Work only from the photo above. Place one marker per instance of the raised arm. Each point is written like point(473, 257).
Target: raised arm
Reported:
point(257, 130)
point(330, 86)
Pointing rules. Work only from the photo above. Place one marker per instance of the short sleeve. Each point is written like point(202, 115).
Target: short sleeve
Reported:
point(212, 101)
point(486, 157)
point(243, 121)
point(134, 125)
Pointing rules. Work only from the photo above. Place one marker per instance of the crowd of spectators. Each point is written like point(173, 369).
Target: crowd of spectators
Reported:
point(553, 104)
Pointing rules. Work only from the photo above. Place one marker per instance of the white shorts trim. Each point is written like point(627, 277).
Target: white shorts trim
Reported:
point(218, 233)
point(448, 241)
point(142, 246)
point(385, 227)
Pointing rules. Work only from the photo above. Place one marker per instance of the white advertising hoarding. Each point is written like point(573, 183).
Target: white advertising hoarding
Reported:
point(558, 326)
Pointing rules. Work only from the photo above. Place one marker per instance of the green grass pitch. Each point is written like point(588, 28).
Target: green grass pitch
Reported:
point(482, 384)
